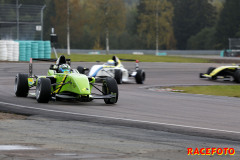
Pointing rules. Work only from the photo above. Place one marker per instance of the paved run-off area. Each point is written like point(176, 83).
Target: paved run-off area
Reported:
point(56, 139)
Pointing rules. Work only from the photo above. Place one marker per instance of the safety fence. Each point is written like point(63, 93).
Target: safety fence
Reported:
point(21, 21)
point(24, 50)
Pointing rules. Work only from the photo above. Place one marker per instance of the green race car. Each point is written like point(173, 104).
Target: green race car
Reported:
point(62, 82)
point(222, 72)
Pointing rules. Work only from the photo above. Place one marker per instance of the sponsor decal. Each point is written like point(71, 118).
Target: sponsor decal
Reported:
point(109, 66)
point(30, 81)
point(85, 89)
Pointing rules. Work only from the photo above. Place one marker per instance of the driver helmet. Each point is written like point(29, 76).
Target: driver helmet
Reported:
point(110, 62)
point(64, 67)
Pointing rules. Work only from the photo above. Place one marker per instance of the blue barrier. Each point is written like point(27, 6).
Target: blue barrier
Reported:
point(161, 54)
point(34, 49)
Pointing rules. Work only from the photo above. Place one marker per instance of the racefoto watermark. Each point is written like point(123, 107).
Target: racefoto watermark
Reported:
point(211, 151)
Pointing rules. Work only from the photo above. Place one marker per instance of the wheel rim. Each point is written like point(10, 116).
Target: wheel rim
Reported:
point(38, 90)
point(120, 79)
point(143, 76)
point(105, 90)
point(16, 84)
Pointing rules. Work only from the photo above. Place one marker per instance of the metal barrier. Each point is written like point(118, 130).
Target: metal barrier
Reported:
point(146, 52)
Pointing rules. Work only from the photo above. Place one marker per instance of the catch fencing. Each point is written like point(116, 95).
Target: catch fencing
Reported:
point(21, 22)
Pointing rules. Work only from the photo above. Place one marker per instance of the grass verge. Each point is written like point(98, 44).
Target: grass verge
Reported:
point(141, 58)
point(217, 90)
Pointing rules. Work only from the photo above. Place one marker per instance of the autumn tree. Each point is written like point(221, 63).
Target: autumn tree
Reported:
point(229, 23)
point(56, 17)
point(107, 16)
point(155, 23)
point(78, 21)
point(59, 21)
point(190, 17)
point(204, 40)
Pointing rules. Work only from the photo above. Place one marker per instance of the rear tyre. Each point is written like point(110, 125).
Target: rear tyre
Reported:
point(210, 69)
point(110, 87)
point(43, 90)
point(236, 76)
point(140, 76)
point(21, 85)
point(81, 69)
point(213, 78)
point(118, 76)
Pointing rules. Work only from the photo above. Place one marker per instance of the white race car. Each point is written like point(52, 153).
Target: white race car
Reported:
point(114, 68)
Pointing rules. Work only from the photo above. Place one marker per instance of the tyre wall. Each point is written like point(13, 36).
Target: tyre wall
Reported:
point(24, 50)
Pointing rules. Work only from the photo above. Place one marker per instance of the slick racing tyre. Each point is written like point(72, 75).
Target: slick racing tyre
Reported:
point(140, 76)
point(21, 85)
point(213, 78)
point(43, 90)
point(118, 76)
point(110, 87)
point(80, 69)
point(236, 76)
point(210, 69)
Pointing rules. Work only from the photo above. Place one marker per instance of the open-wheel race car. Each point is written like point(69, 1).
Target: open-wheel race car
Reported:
point(114, 68)
point(62, 82)
point(222, 72)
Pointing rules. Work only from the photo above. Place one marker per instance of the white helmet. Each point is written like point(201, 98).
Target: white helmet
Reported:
point(111, 62)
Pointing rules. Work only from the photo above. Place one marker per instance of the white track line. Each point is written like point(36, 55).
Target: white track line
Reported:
point(123, 119)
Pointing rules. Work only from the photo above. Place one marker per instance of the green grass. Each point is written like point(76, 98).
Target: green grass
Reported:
point(141, 58)
point(218, 90)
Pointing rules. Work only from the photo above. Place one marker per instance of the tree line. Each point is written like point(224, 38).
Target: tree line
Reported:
point(143, 24)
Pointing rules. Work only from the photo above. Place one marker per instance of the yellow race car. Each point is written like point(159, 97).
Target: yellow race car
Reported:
point(222, 72)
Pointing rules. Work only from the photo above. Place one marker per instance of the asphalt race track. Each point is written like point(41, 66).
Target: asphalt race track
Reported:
point(138, 106)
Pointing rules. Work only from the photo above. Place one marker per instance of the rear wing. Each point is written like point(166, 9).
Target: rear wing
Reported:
point(127, 59)
point(47, 60)
point(44, 60)
point(132, 60)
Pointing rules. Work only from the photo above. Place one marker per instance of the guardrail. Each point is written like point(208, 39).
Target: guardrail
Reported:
point(147, 52)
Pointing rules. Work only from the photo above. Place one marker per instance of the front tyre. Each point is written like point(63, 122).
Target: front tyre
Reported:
point(118, 76)
point(110, 87)
point(43, 90)
point(140, 76)
point(81, 69)
point(210, 69)
point(21, 85)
